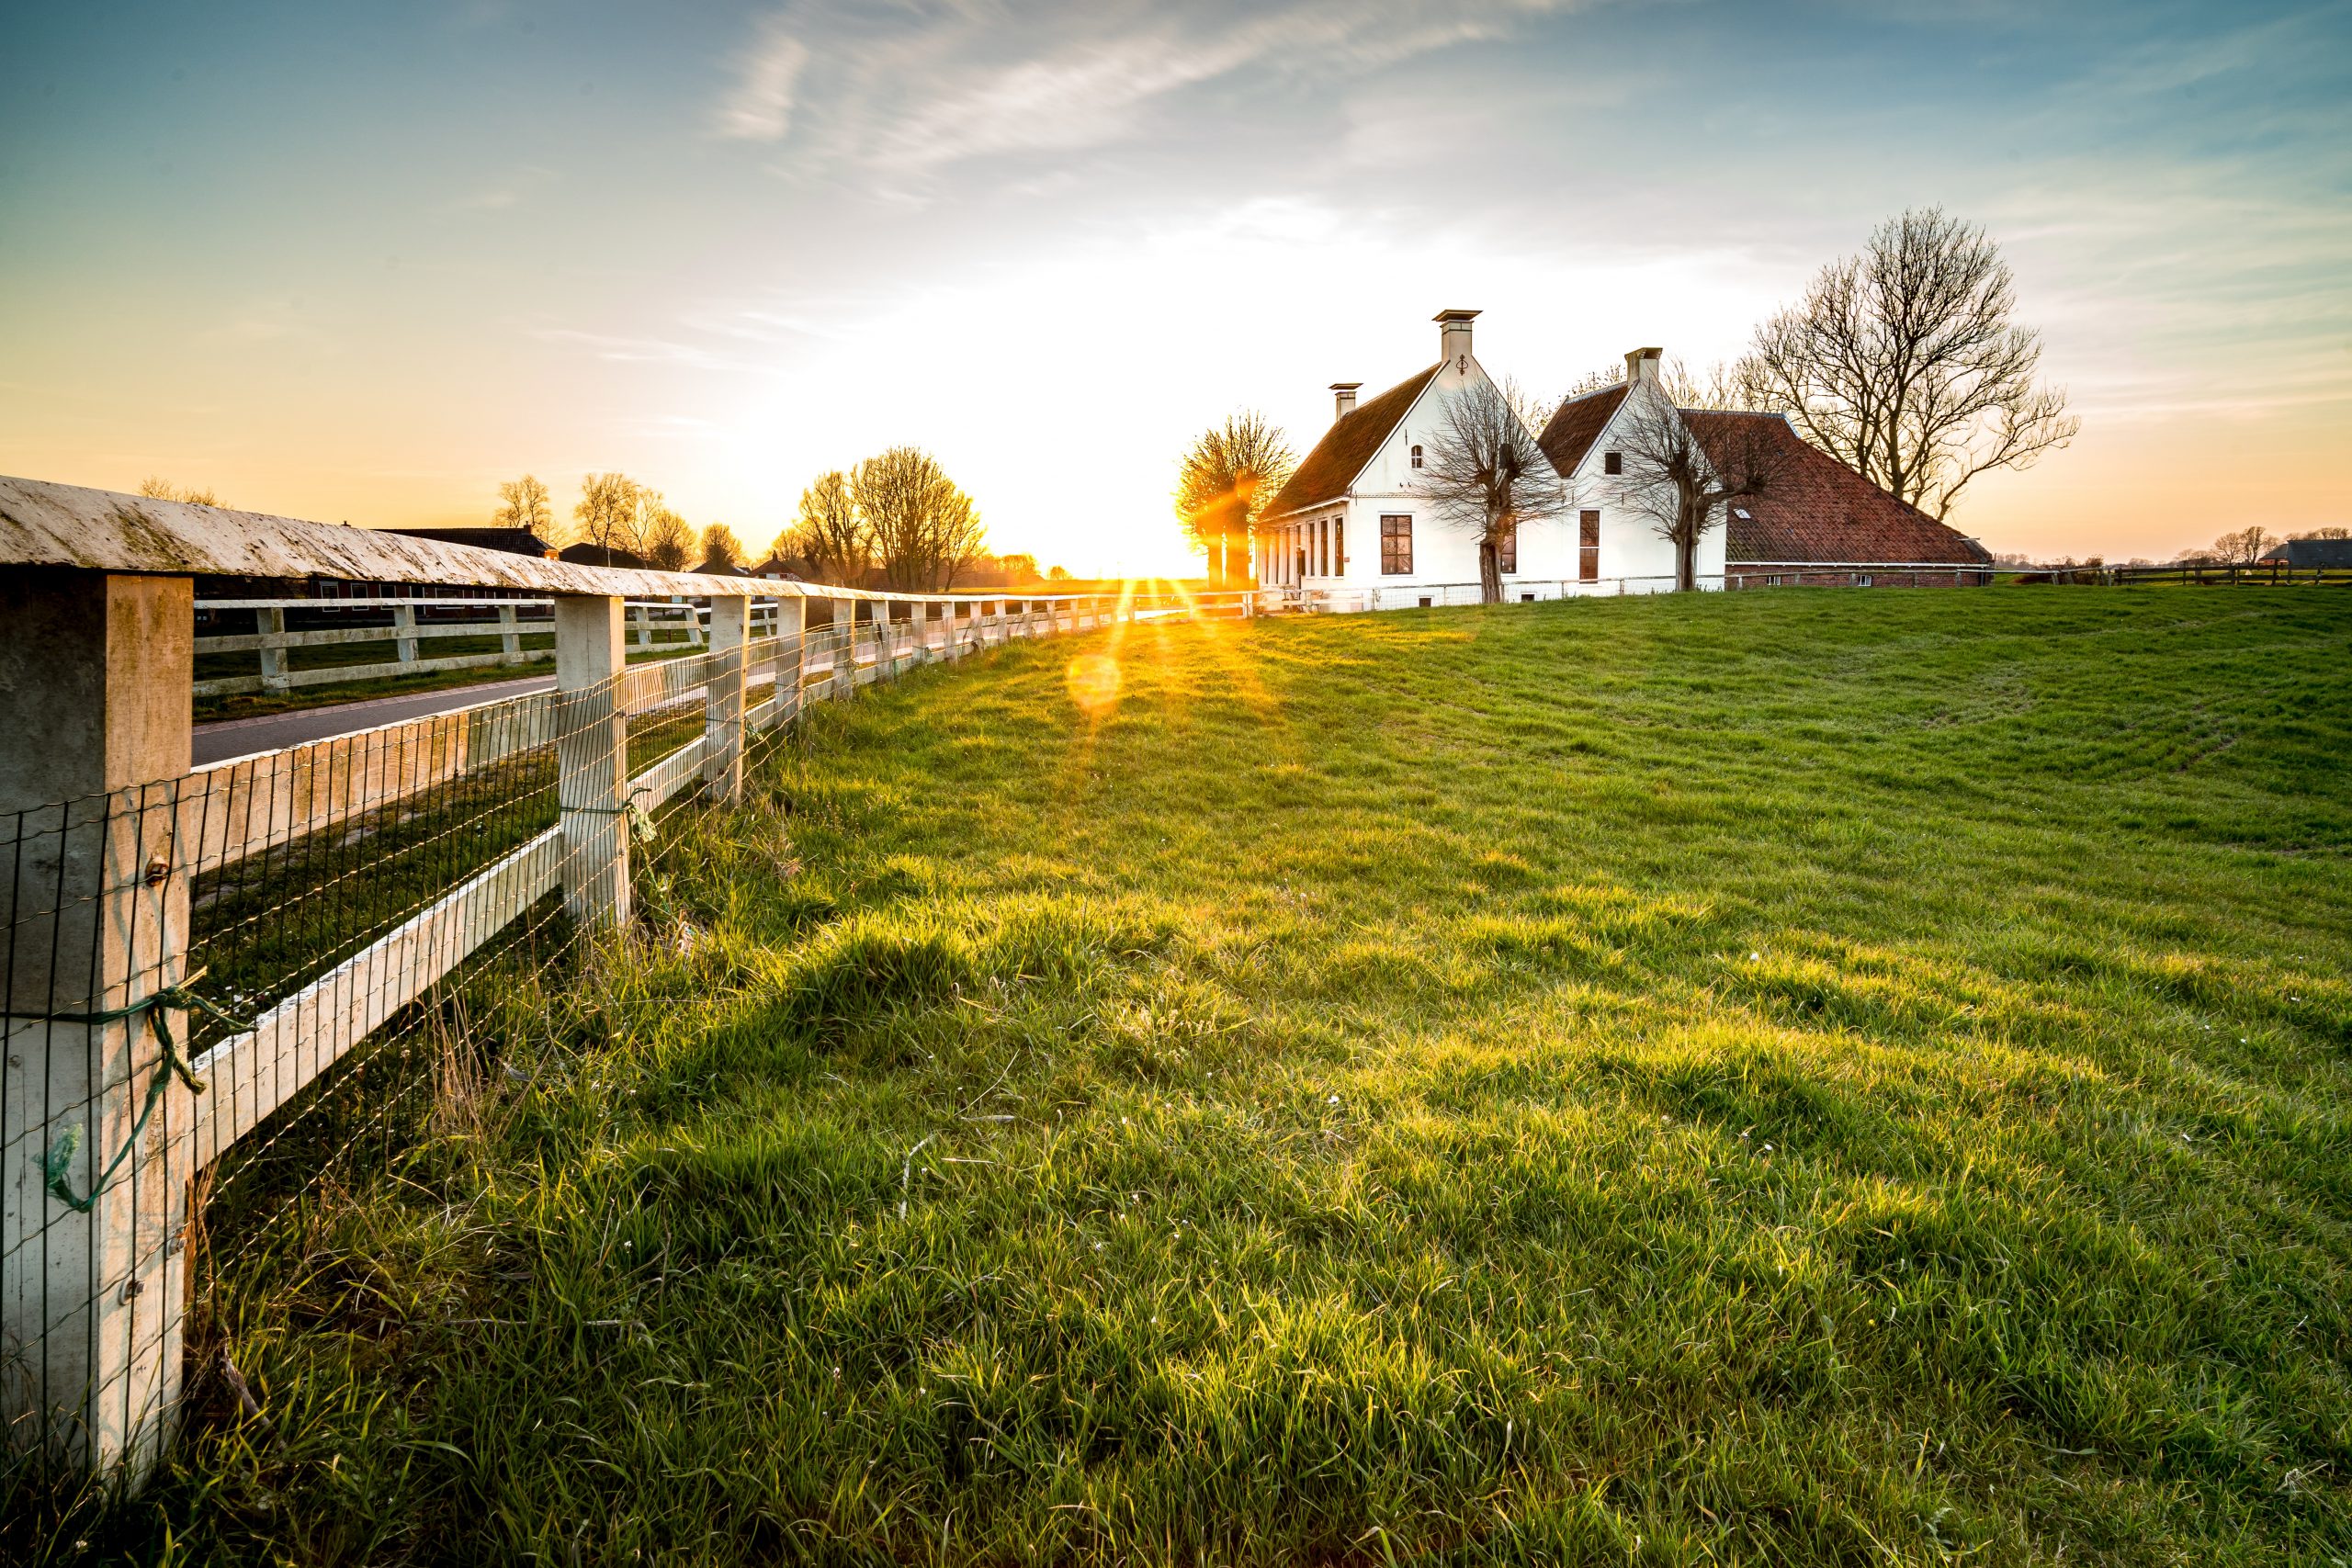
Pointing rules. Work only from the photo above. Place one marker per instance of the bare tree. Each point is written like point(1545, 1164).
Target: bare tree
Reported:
point(829, 535)
point(1904, 364)
point(1718, 387)
point(1225, 481)
point(2330, 531)
point(155, 488)
point(608, 511)
point(525, 504)
point(664, 539)
point(925, 530)
point(2241, 546)
point(1680, 473)
point(720, 547)
point(1484, 473)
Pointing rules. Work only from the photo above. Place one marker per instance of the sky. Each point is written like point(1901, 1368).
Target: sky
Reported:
point(363, 262)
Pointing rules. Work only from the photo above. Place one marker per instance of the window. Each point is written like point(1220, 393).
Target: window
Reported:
point(1425, 601)
point(1397, 548)
point(1861, 579)
point(1338, 546)
point(1417, 456)
point(1613, 462)
point(1527, 598)
point(1589, 547)
point(1506, 549)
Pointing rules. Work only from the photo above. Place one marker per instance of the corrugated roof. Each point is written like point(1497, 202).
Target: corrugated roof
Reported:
point(1820, 510)
point(1576, 425)
point(1348, 445)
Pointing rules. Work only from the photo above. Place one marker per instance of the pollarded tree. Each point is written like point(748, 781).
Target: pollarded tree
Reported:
point(1225, 481)
point(525, 504)
point(1903, 363)
point(1680, 473)
point(1484, 473)
point(925, 530)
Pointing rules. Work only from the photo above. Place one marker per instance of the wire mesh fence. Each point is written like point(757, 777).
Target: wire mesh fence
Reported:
point(227, 988)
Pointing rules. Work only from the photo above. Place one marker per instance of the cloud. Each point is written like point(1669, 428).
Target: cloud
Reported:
point(915, 89)
point(760, 108)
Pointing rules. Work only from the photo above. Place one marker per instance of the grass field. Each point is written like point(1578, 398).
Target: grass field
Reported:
point(1798, 1076)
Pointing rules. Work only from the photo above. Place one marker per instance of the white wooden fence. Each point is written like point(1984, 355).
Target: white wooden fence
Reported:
point(406, 849)
point(362, 623)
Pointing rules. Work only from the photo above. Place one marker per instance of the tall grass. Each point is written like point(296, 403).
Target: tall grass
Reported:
point(1797, 1076)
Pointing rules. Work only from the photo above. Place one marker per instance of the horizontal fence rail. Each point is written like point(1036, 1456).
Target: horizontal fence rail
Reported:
point(221, 981)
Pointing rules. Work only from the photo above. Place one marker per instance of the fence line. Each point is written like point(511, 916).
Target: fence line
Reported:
point(205, 968)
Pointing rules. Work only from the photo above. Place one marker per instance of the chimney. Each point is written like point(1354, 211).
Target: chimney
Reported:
point(1641, 365)
point(1343, 400)
point(1454, 335)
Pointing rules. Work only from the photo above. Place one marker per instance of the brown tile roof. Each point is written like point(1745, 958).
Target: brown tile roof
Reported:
point(1347, 446)
point(1577, 424)
point(1820, 510)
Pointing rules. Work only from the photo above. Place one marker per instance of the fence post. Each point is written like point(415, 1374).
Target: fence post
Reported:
point(97, 666)
point(404, 631)
point(271, 623)
point(510, 637)
point(722, 700)
point(791, 661)
point(591, 758)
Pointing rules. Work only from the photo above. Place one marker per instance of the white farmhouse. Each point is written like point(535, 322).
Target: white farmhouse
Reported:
point(1352, 530)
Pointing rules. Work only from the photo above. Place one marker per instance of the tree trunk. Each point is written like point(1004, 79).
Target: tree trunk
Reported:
point(1490, 574)
point(1685, 563)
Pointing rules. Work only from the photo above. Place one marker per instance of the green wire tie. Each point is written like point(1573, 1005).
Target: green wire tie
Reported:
point(641, 821)
point(59, 1161)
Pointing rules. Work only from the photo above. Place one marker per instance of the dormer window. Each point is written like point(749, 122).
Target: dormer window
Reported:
point(1417, 456)
point(1613, 462)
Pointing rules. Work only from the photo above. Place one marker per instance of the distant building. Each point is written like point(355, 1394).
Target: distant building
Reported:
point(602, 555)
point(2312, 553)
point(777, 569)
point(512, 541)
point(712, 566)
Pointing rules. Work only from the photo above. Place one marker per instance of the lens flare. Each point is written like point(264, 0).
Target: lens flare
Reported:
point(1094, 682)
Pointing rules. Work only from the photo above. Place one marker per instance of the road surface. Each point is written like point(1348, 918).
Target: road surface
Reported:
point(243, 736)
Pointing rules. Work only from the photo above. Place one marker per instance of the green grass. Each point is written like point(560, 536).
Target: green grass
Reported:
point(1797, 1076)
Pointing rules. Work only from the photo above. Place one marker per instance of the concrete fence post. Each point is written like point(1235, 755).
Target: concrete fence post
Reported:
point(591, 759)
point(271, 623)
point(404, 632)
point(97, 666)
point(510, 637)
point(722, 700)
point(791, 659)
point(843, 637)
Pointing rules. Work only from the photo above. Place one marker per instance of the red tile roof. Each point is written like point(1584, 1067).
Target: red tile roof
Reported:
point(1820, 510)
point(1577, 424)
point(1352, 442)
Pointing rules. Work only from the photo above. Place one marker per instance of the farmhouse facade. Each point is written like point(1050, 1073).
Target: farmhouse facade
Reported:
point(1354, 527)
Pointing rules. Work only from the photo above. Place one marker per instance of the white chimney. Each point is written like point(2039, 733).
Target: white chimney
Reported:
point(1454, 335)
point(1641, 365)
point(1343, 398)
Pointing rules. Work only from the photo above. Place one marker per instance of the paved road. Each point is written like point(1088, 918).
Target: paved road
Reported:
point(243, 736)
